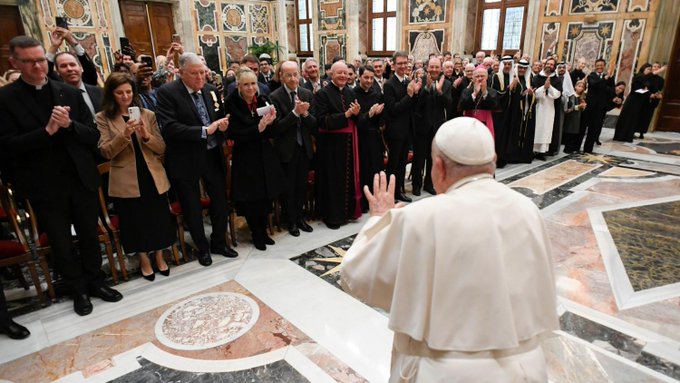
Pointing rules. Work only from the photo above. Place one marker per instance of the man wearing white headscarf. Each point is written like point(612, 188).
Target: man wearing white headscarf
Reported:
point(466, 276)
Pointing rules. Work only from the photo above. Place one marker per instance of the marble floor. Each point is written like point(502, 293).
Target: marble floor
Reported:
point(281, 316)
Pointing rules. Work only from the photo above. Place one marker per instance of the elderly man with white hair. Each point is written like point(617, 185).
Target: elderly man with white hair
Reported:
point(466, 276)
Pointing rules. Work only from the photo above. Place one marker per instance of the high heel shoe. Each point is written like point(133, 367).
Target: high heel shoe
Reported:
point(166, 272)
point(149, 277)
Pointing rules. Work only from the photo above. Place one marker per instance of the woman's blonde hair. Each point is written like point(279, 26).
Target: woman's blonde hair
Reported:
point(244, 72)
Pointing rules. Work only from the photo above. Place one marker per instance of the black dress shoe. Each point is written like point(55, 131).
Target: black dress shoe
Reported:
point(81, 304)
point(166, 272)
point(14, 330)
point(402, 197)
point(268, 240)
point(224, 251)
point(416, 192)
point(598, 142)
point(260, 245)
point(304, 227)
point(204, 259)
point(105, 293)
point(294, 230)
point(333, 226)
point(540, 156)
point(430, 190)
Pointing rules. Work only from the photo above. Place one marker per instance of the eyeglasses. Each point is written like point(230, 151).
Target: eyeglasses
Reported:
point(32, 62)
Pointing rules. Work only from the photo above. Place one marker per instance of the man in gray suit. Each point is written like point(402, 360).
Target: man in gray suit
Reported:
point(295, 124)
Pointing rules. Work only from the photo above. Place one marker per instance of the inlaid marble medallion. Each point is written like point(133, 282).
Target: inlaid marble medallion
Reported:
point(555, 176)
point(207, 321)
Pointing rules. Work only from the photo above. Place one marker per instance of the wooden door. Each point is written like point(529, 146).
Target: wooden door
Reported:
point(669, 114)
point(148, 25)
point(10, 19)
point(162, 26)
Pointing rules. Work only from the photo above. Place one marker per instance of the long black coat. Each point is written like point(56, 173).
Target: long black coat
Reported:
point(256, 172)
point(33, 152)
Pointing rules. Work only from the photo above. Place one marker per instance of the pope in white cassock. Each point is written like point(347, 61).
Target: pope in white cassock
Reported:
point(466, 276)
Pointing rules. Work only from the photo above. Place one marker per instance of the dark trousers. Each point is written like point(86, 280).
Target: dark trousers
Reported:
point(4, 314)
point(296, 170)
point(189, 196)
point(396, 162)
point(594, 121)
point(422, 157)
point(258, 227)
point(72, 204)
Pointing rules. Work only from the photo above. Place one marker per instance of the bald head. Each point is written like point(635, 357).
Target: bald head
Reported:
point(290, 75)
point(339, 74)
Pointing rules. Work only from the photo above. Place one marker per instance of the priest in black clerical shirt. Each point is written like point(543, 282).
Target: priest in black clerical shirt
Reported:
point(371, 147)
point(49, 133)
point(337, 176)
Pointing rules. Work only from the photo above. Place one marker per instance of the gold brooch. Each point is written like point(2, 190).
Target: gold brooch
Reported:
point(214, 97)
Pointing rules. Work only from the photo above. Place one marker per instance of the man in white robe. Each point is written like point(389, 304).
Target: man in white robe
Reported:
point(547, 89)
point(466, 276)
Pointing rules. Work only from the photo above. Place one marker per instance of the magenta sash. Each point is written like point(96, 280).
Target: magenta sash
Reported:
point(352, 129)
point(485, 116)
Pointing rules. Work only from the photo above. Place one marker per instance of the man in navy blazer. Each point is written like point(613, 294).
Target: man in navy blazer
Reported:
point(194, 129)
point(295, 125)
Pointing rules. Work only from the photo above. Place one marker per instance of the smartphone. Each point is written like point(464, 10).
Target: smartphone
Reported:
point(125, 47)
point(217, 78)
point(61, 22)
point(134, 113)
point(146, 60)
point(176, 38)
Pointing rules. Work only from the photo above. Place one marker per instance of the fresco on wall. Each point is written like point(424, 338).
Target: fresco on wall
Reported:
point(422, 43)
point(553, 8)
point(331, 46)
point(205, 13)
point(236, 47)
point(549, 39)
point(638, 6)
point(331, 15)
point(589, 41)
point(426, 11)
point(77, 12)
point(210, 49)
point(233, 17)
point(589, 6)
point(259, 18)
point(292, 35)
point(101, 14)
point(629, 49)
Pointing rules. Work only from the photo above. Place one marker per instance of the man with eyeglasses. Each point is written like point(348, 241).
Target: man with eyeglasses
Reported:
point(48, 131)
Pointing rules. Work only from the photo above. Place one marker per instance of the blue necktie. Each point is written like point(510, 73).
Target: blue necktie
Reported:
point(298, 136)
point(205, 117)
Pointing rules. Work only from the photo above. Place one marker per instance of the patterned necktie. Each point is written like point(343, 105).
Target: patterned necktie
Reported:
point(298, 135)
point(205, 117)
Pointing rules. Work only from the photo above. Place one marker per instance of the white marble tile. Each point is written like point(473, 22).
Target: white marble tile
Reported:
point(306, 367)
point(350, 330)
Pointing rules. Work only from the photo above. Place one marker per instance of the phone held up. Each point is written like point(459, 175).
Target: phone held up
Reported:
point(147, 60)
point(134, 113)
point(61, 22)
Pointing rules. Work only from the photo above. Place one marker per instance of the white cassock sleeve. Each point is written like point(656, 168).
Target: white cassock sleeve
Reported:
point(369, 268)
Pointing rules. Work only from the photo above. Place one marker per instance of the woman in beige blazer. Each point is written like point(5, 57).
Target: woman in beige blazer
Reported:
point(137, 180)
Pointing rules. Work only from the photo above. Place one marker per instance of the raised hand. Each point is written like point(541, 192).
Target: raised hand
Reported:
point(382, 198)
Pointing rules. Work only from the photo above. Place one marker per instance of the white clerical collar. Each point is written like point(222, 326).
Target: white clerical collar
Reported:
point(545, 75)
point(37, 87)
point(464, 181)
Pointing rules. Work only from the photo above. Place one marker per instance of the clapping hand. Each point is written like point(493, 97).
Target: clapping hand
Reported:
point(266, 120)
point(142, 131)
point(382, 198)
point(376, 109)
point(513, 84)
point(354, 109)
point(457, 82)
point(440, 84)
point(547, 83)
point(59, 119)
point(301, 107)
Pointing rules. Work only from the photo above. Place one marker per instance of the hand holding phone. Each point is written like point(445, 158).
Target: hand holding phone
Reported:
point(134, 113)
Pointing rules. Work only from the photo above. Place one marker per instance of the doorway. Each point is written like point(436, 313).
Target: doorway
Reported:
point(10, 19)
point(669, 113)
point(148, 25)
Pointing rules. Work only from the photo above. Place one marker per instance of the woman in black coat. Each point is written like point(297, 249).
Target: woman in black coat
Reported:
point(257, 176)
point(630, 118)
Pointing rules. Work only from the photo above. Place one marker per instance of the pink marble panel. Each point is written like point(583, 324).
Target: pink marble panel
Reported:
point(554, 176)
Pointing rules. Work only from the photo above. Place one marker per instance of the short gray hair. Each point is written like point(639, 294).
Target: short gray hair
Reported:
point(189, 58)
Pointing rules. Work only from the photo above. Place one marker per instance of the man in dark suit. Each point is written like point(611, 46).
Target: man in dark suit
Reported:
point(57, 37)
point(194, 129)
point(434, 103)
point(293, 144)
point(313, 82)
point(600, 86)
point(48, 131)
point(70, 70)
point(401, 95)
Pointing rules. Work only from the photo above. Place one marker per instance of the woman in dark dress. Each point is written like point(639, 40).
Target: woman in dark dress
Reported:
point(137, 180)
point(631, 117)
point(656, 84)
point(257, 176)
